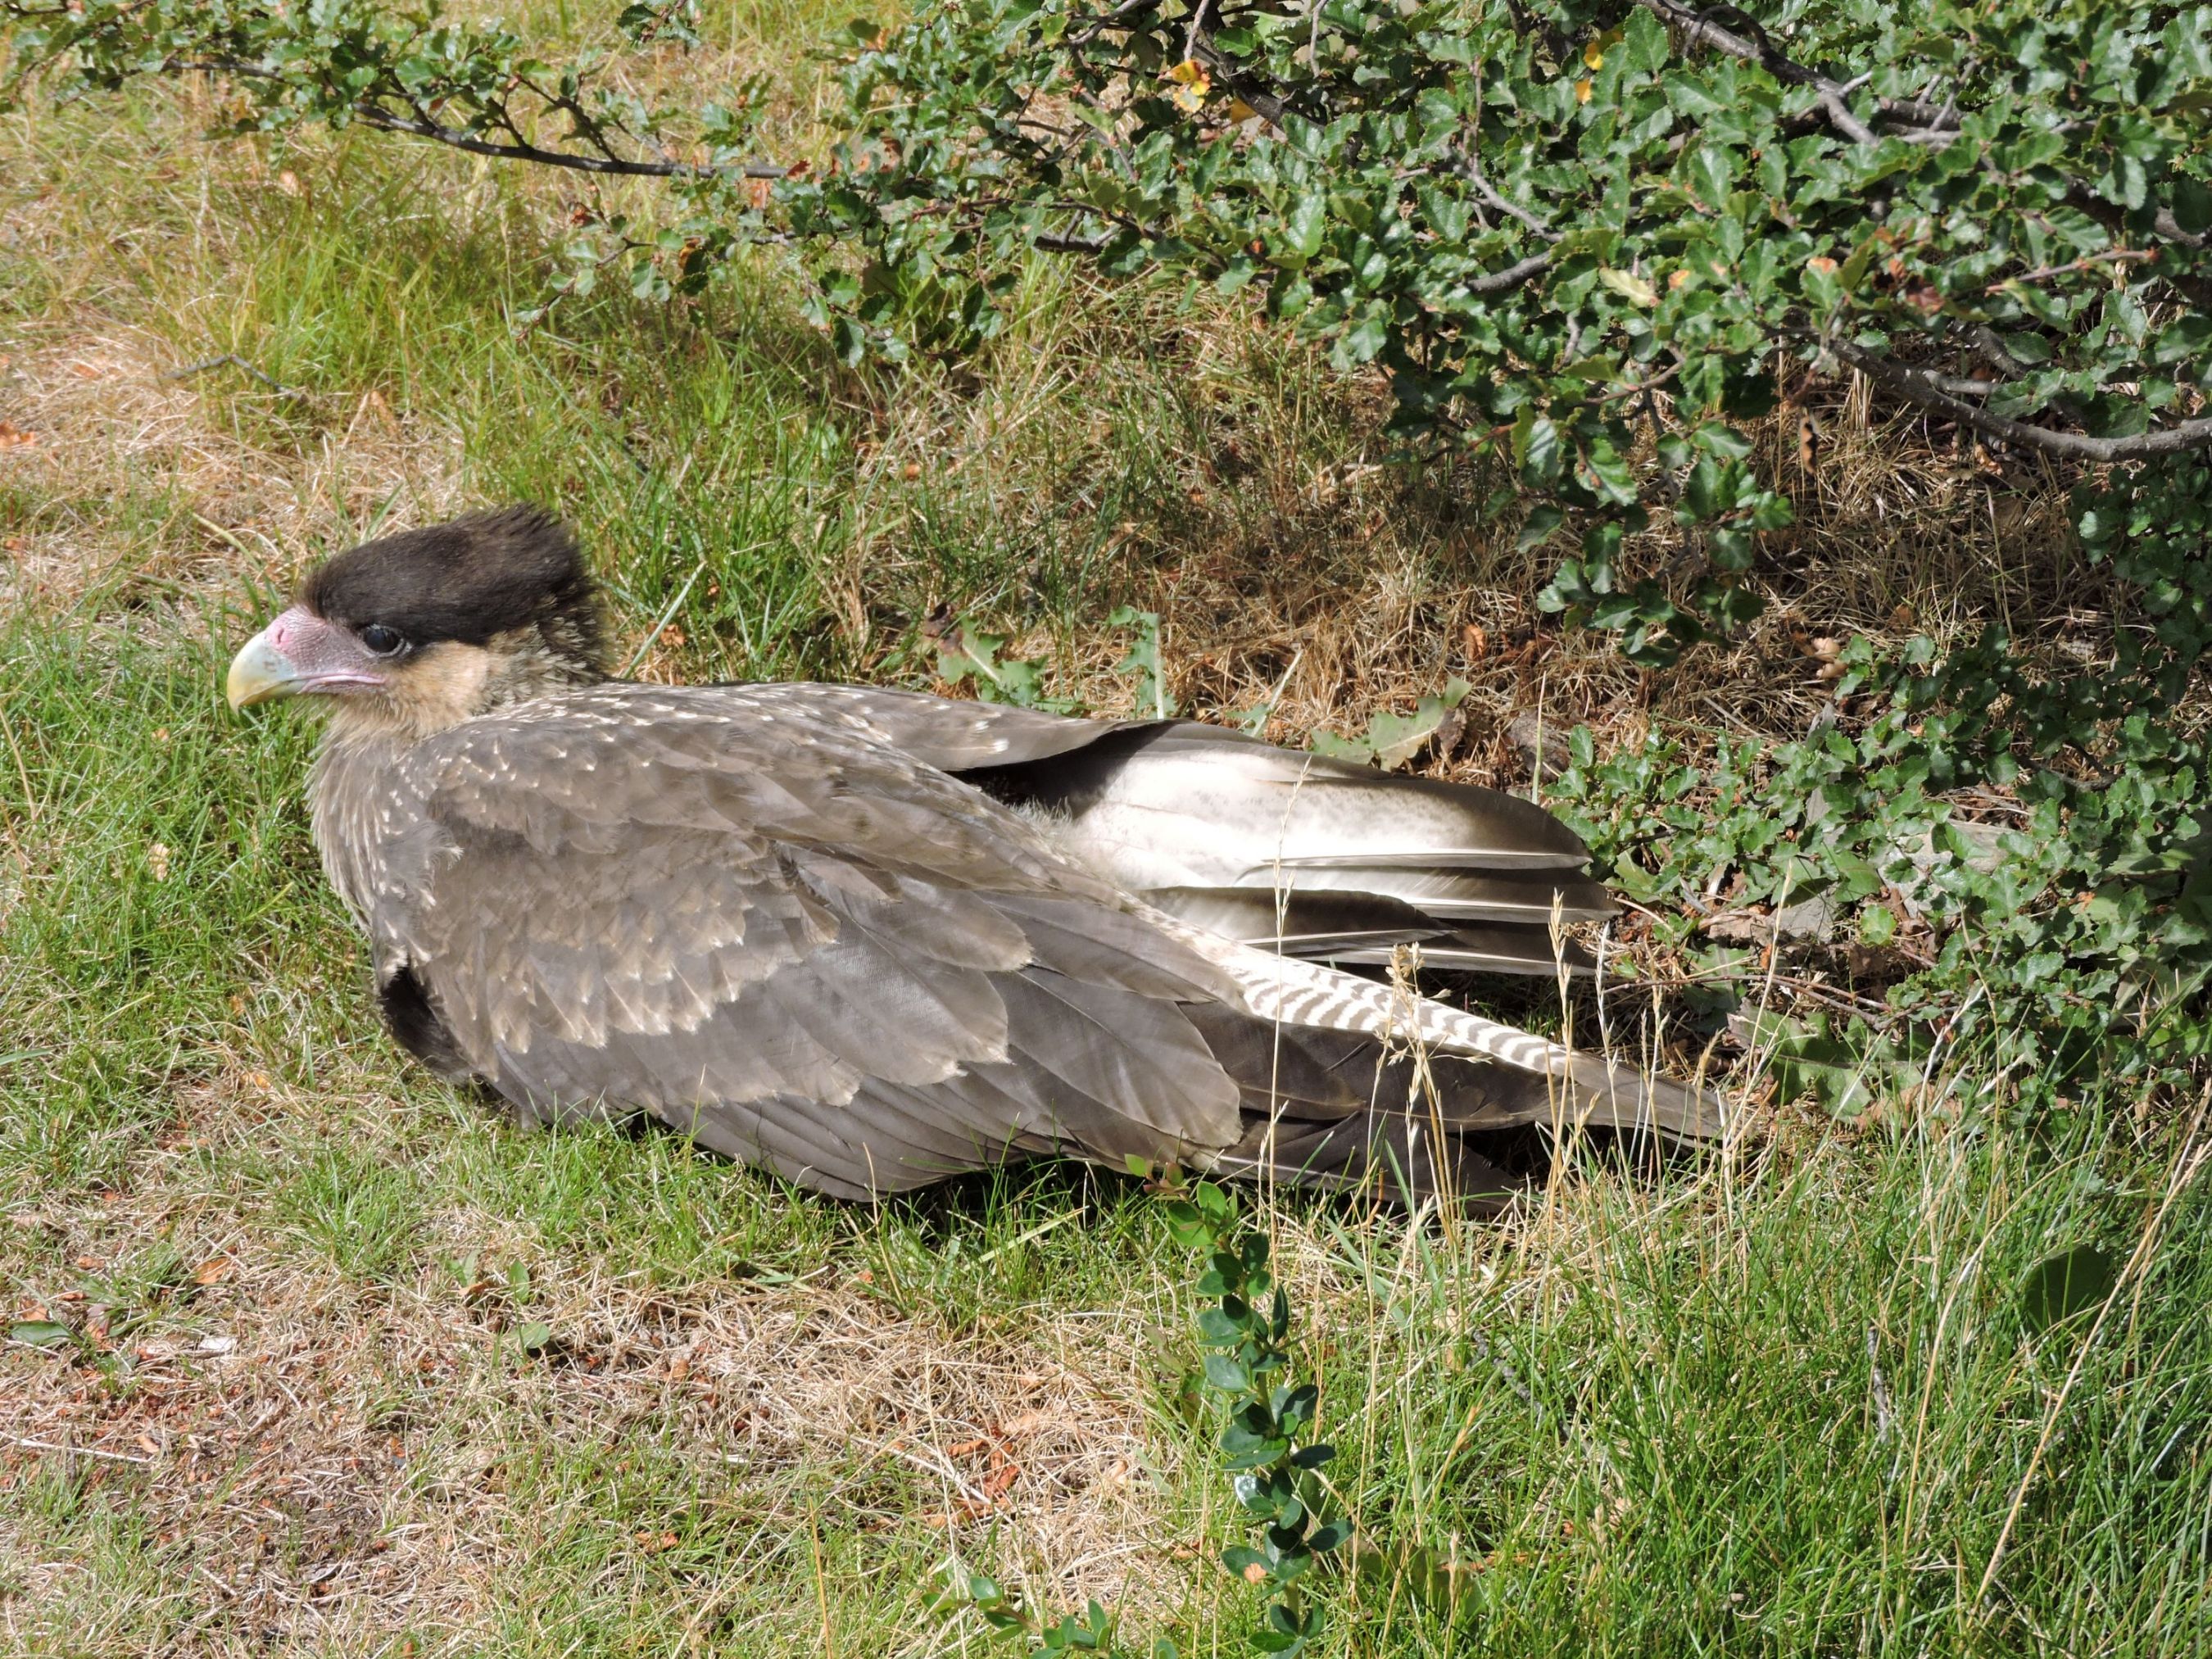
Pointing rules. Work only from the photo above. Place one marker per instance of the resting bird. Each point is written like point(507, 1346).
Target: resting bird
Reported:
point(870, 938)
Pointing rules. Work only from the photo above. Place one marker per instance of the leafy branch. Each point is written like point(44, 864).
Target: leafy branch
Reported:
point(1843, 191)
point(1274, 1467)
point(1245, 1338)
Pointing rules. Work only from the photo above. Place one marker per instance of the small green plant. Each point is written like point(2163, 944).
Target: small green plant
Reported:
point(1394, 740)
point(1142, 663)
point(1274, 1466)
point(969, 656)
point(1004, 1611)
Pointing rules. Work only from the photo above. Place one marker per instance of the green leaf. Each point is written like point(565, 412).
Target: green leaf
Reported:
point(1536, 449)
point(1395, 740)
point(2192, 204)
point(1238, 1558)
point(1630, 287)
point(2067, 1285)
point(534, 1337)
point(1142, 660)
point(40, 1332)
point(1713, 171)
point(1225, 1374)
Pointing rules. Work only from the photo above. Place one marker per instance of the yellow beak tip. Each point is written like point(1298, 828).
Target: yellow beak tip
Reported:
point(259, 672)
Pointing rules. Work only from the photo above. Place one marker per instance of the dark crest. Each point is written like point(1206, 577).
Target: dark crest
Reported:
point(466, 580)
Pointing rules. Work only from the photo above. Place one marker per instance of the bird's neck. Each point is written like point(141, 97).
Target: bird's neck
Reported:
point(351, 794)
point(355, 787)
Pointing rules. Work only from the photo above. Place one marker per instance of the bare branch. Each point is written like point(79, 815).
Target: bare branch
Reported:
point(1513, 277)
point(1262, 100)
point(1916, 386)
point(1702, 26)
point(374, 114)
point(1470, 168)
point(231, 359)
point(2086, 262)
point(1051, 244)
point(1120, 17)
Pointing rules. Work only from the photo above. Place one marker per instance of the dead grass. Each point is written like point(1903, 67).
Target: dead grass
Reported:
point(311, 1457)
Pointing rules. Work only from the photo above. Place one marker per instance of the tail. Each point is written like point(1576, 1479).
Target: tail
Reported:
point(1301, 999)
point(1276, 867)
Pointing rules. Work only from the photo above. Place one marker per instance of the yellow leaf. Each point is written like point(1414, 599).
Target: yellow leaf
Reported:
point(1192, 84)
point(1631, 287)
point(1241, 111)
point(1583, 90)
point(1594, 55)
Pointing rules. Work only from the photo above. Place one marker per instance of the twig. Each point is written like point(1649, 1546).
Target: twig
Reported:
point(1513, 277)
point(1264, 102)
point(1053, 244)
point(1916, 386)
point(376, 115)
point(621, 167)
point(235, 360)
point(1704, 28)
point(2118, 255)
point(79, 1452)
point(1127, 12)
point(1192, 36)
point(1470, 168)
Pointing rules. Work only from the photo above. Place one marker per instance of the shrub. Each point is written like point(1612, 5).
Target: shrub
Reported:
point(1591, 239)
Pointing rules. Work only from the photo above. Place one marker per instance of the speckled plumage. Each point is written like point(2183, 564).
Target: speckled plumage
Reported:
point(872, 938)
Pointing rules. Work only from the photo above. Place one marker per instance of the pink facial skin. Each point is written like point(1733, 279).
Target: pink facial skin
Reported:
point(300, 653)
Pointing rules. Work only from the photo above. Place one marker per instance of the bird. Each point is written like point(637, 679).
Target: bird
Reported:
point(870, 938)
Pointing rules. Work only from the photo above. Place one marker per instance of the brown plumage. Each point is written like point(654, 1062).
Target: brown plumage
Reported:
point(870, 937)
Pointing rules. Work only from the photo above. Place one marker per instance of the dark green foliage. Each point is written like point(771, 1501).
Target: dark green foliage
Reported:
point(2072, 938)
point(1273, 1464)
point(1267, 1447)
point(1595, 240)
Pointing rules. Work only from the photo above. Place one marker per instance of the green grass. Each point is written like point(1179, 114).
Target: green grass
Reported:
point(1784, 1402)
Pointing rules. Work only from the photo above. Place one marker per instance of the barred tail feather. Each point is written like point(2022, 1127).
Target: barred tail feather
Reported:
point(1592, 1089)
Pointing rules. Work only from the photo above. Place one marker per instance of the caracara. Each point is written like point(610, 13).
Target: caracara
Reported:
point(870, 938)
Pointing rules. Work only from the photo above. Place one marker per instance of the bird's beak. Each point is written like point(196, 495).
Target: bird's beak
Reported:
point(259, 672)
point(299, 651)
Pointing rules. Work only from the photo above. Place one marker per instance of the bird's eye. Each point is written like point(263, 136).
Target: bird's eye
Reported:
point(381, 640)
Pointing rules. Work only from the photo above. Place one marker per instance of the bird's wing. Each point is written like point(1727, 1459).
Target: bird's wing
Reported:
point(951, 735)
point(1313, 856)
point(1368, 929)
point(747, 913)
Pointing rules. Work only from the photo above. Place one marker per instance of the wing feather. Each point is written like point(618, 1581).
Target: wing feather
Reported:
point(780, 934)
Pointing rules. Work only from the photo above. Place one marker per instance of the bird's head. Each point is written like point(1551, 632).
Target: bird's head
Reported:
point(416, 632)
